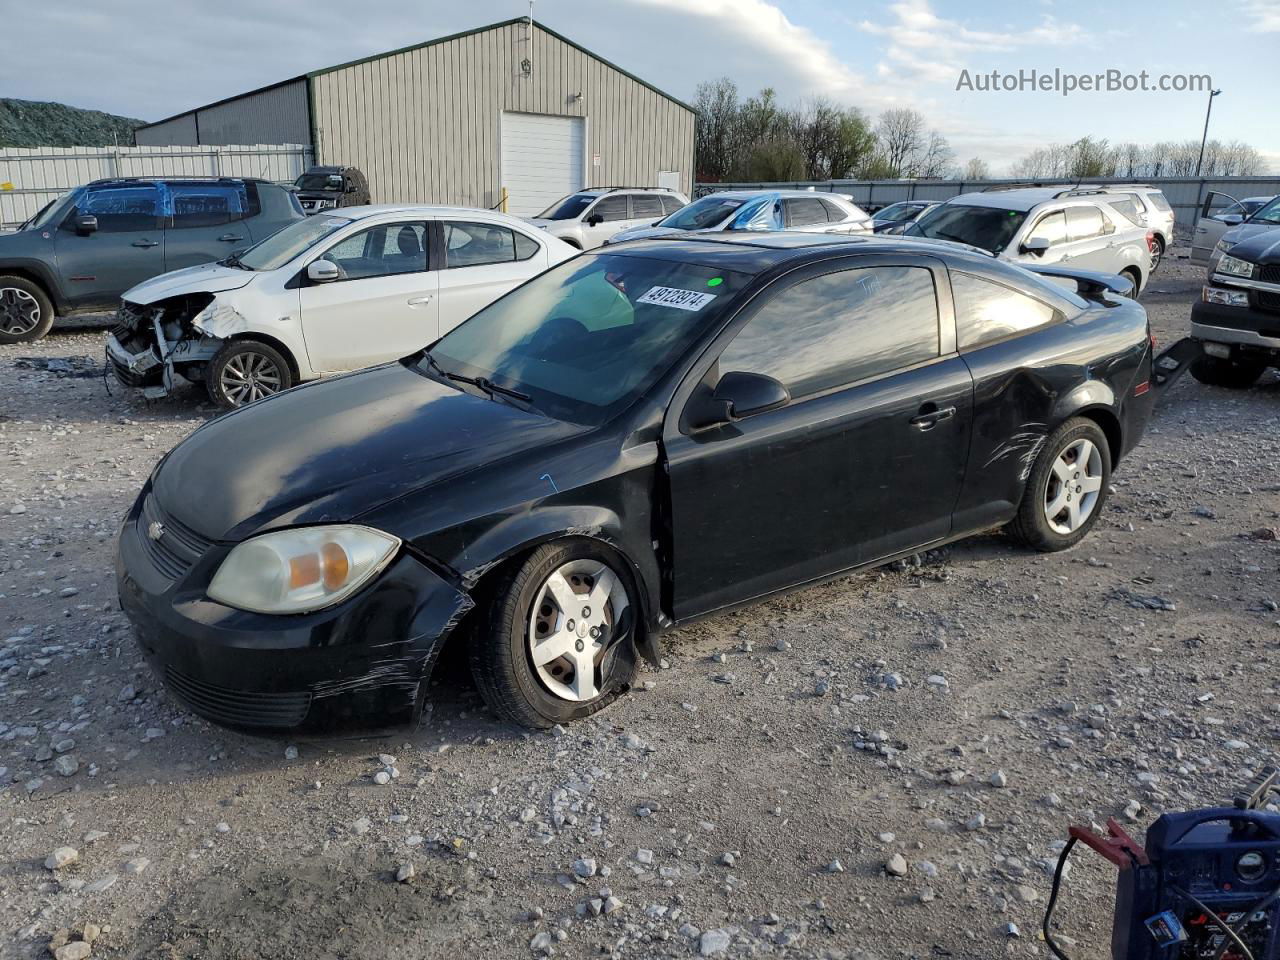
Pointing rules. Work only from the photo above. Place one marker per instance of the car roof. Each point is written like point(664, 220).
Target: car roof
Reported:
point(757, 251)
point(422, 210)
point(750, 194)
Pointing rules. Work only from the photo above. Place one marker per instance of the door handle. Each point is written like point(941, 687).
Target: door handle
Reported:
point(146, 243)
point(930, 416)
point(229, 238)
point(419, 301)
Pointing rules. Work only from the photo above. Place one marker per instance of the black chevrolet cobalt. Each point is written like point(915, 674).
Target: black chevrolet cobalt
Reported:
point(631, 440)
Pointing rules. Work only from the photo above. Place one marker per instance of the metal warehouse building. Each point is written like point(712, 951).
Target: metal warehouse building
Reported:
point(455, 120)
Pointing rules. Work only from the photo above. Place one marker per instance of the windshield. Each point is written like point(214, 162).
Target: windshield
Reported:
point(1269, 213)
point(283, 245)
point(710, 211)
point(319, 181)
point(566, 208)
point(46, 214)
point(990, 228)
point(895, 211)
point(587, 338)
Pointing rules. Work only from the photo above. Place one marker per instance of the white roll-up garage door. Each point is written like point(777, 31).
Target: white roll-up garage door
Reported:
point(542, 160)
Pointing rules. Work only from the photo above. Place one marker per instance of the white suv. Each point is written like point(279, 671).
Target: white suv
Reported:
point(338, 291)
point(1045, 225)
point(588, 218)
point(1152, 210)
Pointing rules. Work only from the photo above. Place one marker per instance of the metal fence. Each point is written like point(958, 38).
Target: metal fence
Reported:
point(1185, 194)
point(31, 177)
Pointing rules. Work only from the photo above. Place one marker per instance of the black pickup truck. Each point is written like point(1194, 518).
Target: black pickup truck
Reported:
point(1237, 319)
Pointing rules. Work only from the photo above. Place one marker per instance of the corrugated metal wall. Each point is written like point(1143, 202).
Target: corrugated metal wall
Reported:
point(274, 115)
point(424, 124)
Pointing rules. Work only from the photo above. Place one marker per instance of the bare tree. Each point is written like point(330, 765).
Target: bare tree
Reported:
point(901, 136)
point(976, 169)
point(716, 102)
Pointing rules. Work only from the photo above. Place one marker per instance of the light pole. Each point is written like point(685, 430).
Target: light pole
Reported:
point(1205, 137)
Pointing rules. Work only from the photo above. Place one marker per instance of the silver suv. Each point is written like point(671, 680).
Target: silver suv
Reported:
point(588, 218)
point(1045, 225)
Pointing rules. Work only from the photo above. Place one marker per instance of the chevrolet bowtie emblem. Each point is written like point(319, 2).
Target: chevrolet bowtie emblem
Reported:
point(156, 530)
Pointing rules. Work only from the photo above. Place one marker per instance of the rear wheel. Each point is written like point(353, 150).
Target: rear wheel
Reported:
point(1066, 489)
point(244, 371)
point(1232, 373)
point(1157, 252)
point(557, 643)
point(26, 313)
point(1135, 278)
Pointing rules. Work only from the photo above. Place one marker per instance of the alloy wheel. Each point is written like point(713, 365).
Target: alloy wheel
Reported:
point(19, 311)
point(571, 626)
point(1075, 483)
point(250, 376)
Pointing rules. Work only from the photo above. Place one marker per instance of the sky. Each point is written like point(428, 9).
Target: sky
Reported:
point(153, 58)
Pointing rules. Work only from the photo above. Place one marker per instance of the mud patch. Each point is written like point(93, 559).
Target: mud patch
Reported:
point(61, 366)
point(323, 909)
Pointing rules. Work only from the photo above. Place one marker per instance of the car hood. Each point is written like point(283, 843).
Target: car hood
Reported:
point(1255, 242)
point(333, 450)
point(206, 278)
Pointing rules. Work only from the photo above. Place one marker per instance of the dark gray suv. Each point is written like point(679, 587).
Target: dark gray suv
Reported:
point(85, 249)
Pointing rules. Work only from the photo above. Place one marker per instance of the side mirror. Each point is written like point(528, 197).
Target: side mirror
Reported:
point(737, 396)
point(1234, 219)
point(1036, 246)
point(322, 271)
point(595, 220)
point(86, 224)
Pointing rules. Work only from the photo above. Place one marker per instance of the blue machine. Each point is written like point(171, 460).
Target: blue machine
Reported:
point(1205, 887)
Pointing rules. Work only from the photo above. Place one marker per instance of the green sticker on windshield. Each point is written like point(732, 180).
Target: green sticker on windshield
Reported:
point(715, 281)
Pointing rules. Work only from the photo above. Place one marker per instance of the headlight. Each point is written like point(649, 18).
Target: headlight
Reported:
point(1234, 266)
point(1224, 245)
point(295, 571)
point(1224, 297)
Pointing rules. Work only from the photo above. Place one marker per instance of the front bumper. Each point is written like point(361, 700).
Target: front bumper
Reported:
point(1245, 327)
point(361, 666)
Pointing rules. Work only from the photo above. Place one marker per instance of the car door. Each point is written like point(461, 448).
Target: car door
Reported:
point(1050, 226)
point(865, 460)
point(126, 247)
point(608, 215)
point(1091, 237)
point(1210, 228)
point(205, 221)
point(383, 305)
point(482, 261)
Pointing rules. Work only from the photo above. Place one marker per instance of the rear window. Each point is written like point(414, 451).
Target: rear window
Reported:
point(1159, 202)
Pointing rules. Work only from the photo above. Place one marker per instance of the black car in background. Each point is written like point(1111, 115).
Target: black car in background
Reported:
point(83, 250)
point(329, 187)
point(634, 439)
point(896, 217)
point(1237, 319)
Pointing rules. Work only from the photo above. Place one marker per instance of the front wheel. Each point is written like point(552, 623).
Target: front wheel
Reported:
point(26, 313)
point(1066, 489)
point(244, 371)
point(1232, 374)
point(558, 639)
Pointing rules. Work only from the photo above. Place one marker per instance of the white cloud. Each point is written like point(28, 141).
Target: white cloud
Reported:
point(1265, 15)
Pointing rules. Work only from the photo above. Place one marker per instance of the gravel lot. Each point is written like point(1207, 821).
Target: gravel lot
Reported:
point(945, 720)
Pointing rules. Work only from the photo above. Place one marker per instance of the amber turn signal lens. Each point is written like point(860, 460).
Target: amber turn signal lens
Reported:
point(336, 565)
point(303, 570)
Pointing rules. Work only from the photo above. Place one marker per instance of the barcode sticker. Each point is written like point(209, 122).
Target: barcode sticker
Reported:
point(675, 297)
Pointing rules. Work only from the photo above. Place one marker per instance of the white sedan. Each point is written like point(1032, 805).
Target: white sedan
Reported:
point(328, 294)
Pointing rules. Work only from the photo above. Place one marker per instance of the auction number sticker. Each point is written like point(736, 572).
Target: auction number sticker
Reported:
point(675, 297)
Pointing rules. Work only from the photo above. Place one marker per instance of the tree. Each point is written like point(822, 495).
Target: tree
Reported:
point(976, 169)
point(901, 137)
point(716, 103)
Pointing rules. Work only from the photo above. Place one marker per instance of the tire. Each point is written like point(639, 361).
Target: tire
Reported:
point(502, 652)
point(1135, 278)
point(26, 312)
point(1038, 524)
point(1232, 374)
point(244, 371)
point(1156, 255)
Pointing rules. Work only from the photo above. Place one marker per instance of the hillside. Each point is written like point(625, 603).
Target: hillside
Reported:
point(27, 123)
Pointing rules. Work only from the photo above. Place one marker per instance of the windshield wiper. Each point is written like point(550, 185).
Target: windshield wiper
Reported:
point(483, 383)
point(234, 261)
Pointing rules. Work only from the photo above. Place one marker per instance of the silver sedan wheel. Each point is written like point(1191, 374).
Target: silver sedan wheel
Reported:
point(1074, 486)
point(571, 627)
point(19, 311)
point(250, 376)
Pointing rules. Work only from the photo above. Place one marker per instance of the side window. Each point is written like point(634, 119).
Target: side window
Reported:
point(804, 212)
point(645, 206)
point(839, 328)
point(1084, 222)
point(471, 244)
point(382, 251)
point(526, 247)
point(119, 209)
point(987, 311)
point(206, 204)
point(834, 213)
point(1127, 208)
point(670, 204)
point(1159, 202)
point(1053, 227)
point(611, 208)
